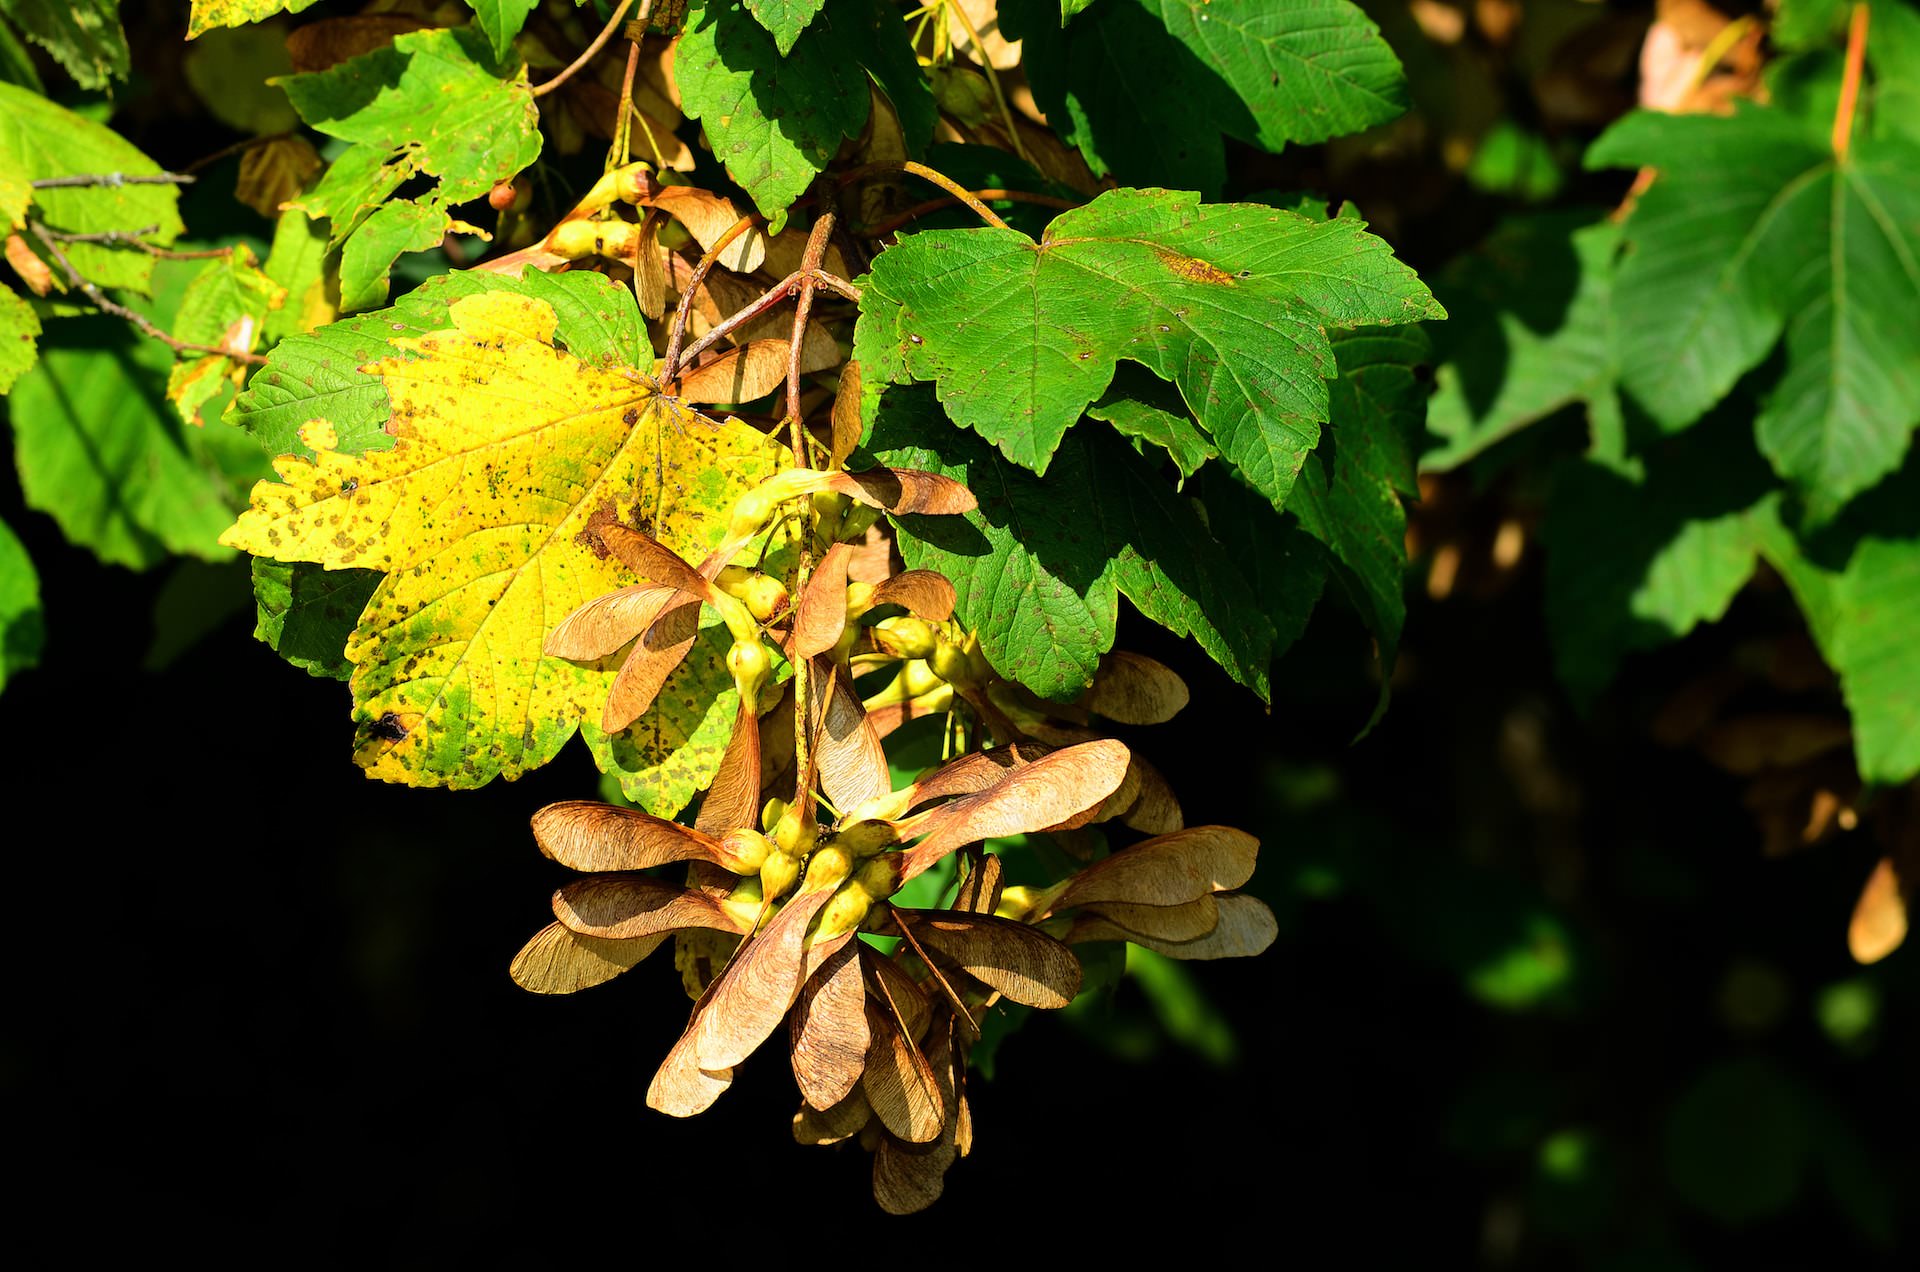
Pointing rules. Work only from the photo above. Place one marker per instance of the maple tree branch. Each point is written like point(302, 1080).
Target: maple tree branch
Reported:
point(1850, 84)
point(834, 283)
point(132, 238)
point(623, 131)
point(733, 322)
point(599, 42)
point(678, 330)
point(803, 306)
point(919, 210)
point(113, 179)
point(106, 304)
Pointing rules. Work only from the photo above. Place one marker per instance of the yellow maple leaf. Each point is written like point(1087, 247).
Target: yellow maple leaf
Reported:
point(506, 445)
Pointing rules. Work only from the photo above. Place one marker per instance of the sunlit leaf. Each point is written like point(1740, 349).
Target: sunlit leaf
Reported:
point(39, 140)
point(505, 448)
point(1231, 302)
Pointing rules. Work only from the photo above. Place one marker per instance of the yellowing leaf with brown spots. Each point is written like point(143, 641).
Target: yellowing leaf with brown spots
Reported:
point(505, 444)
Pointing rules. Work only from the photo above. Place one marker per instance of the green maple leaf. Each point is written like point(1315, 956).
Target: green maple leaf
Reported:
point(1529, 333)
point(84, 36)
point(1754, 232)
point(776, 116)
point(437, 104)
point(784, 19)
point(1039, 565)
point(1231, 302)
point(1351, 500)
point(1145, 87)
point(501, 20)
point(1858, 583)
point(39, 140)
point(22, 626)
point(1151, 413)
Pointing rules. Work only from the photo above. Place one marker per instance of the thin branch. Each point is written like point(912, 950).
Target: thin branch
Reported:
point(834, 283)
point(599, 42)
point(206, 161)
point(925, 173)
point(809, 268)
point(993, 81)
point(107, 304)
point(726, 327)
point(132, 238)
point(1850, 84)
point(623, 130)
point(113, 179)
point(678, 330)
point(919, 210)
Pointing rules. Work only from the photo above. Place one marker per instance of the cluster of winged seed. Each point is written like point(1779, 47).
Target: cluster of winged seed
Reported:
point(770, 905)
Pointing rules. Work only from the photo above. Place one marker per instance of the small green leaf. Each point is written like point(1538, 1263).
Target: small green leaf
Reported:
point(22, 626)
point(350, 190)
point(1151, 413)
point(1529, 333)
point(369, 255)
point(1229, 301)
point(786, 19)
point(1145, 87)
point(306, 613)
point(39, 140)
point(297, 265)
point(1038, 565)
point(501, 20)
point(16, 63)
point(19, 332)
point(437, 104)
point(229, 301)
point(1861, 598)
point(84, 36)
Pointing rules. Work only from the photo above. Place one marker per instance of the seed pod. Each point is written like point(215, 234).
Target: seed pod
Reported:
point(844, 912)
point(777, 875)
point(906, 637)
point(762, 594)
point(828, 866)
point(951, 663)
point(748, 848)
point(574, 239)
point(750, 664)
point(501, 197)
